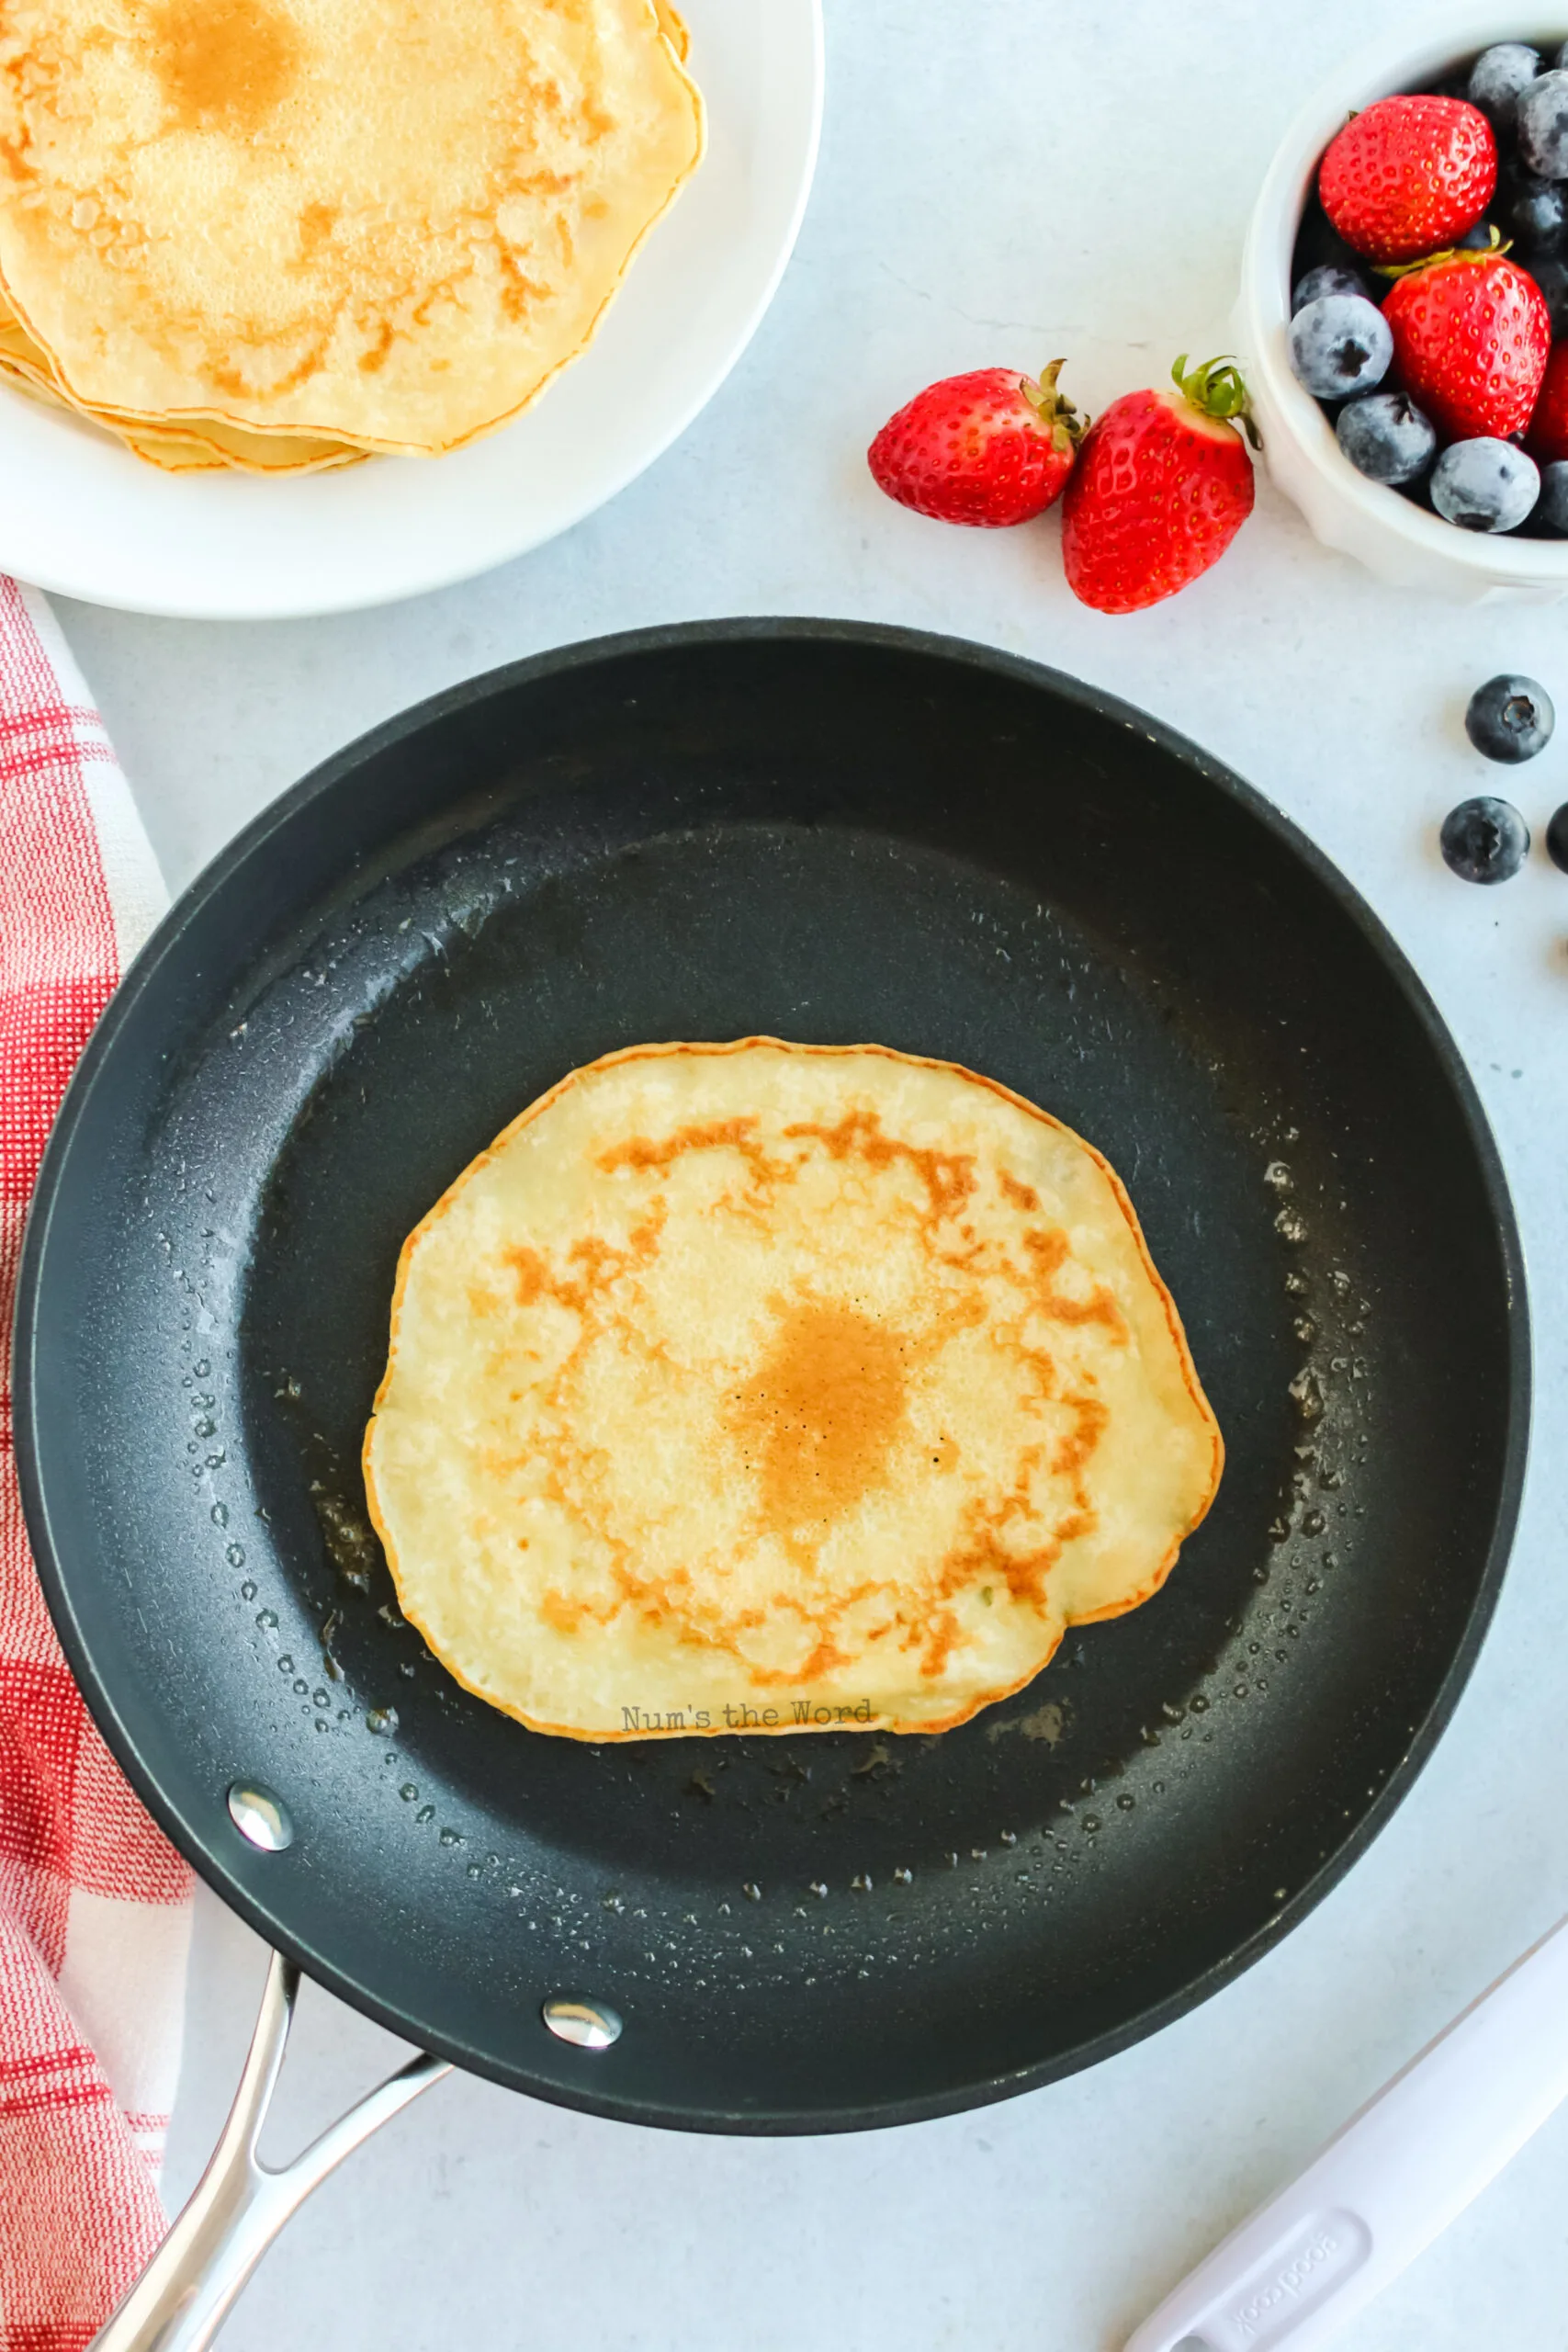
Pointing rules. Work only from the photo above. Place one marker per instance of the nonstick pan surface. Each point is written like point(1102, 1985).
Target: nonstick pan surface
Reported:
point(832, 834)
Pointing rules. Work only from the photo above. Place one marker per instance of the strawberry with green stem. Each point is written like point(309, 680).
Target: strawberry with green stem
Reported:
point(990, 448)
point(1472, 337)
point(1162, 486)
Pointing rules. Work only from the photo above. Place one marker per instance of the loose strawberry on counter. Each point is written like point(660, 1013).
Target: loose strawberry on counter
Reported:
point(991, 448)
point(1162, 485)
point(1472, 334)
point(1408, 174)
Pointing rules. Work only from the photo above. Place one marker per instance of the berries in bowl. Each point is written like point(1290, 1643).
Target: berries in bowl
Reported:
point(1404, 314)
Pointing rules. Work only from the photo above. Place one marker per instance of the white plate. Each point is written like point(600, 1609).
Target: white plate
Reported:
point(80, 514)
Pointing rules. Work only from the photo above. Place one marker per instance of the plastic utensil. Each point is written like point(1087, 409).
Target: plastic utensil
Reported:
point(1304, 2265)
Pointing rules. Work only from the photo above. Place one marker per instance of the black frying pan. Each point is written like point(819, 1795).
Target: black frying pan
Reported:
point(832, 834)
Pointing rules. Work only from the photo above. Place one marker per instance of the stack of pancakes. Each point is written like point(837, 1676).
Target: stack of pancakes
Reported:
point(281, 236)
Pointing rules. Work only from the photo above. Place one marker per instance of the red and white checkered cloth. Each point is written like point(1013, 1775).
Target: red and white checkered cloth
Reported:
point(95, 1908)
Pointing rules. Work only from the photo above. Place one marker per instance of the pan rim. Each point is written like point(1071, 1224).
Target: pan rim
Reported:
point(961, 653)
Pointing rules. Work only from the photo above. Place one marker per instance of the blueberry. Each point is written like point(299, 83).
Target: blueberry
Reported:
point(1557, 839)
point(1484, 841)
point(1340, 345)
point(1386, 437)
point(1553, 508)
point(1497, 76)
point(1550, 272)
point(1541, 123)
point(1484, 485)
point(1479, 238)
point(1510, 718)
point(1328, 277)
point(1536, 212)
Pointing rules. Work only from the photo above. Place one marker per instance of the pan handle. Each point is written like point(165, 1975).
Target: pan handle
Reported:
point(238, 2207)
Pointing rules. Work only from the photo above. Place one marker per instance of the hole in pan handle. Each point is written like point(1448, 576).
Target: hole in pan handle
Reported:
point(1397, 2174)
point(238, 2207)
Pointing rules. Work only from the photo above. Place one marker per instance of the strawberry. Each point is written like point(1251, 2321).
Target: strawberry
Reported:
point(1547, 439)
point(992, 449)
point(1407, 175)
point(1162, 486)
point(1471, 332)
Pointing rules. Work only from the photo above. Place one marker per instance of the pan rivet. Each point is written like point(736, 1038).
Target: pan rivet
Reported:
point(587, 2025)
point(260, 1817)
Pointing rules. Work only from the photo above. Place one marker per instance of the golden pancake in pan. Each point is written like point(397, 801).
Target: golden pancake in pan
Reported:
point(776, 1388)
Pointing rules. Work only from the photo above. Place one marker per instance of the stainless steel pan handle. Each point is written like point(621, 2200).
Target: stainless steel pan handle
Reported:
point(238, 2207)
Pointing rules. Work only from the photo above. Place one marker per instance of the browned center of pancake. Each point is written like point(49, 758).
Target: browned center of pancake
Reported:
point(223, 64)
point(817, 1417)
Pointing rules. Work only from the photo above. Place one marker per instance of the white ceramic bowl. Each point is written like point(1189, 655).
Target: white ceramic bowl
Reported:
point(1393, 537)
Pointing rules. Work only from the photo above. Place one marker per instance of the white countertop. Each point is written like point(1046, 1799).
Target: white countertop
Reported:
point(999, 184)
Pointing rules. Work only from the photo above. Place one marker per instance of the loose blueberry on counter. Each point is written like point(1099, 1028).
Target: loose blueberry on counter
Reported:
point(1328, 277)
point(1498, 76)
point(1484, 841)
point(1386, 437)
point(1552, 509)
point(1536, 212)
point(1557, 839)
point(1484, 485)
point(1510, 718)
point(1541, 124)
point(1340, 345)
